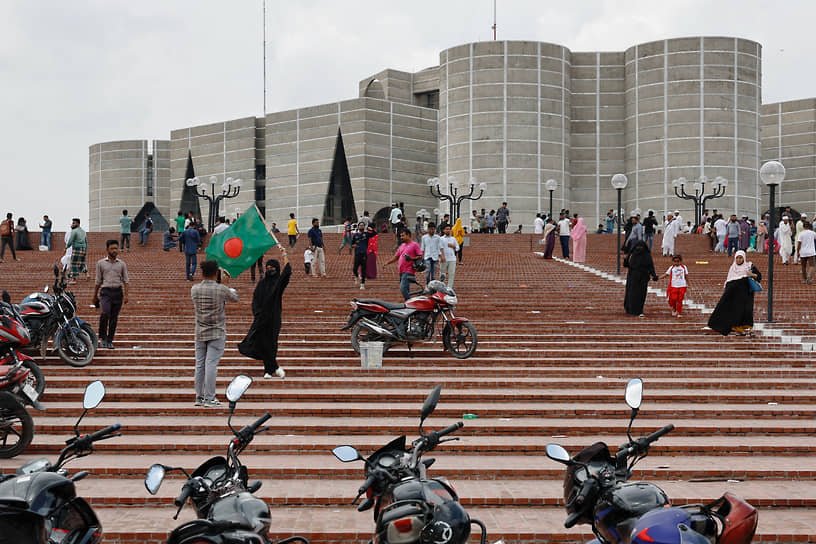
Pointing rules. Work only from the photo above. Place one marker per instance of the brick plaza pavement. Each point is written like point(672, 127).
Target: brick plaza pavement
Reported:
point(555, 350)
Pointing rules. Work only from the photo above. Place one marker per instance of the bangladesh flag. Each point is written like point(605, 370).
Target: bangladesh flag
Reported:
point(238, 247)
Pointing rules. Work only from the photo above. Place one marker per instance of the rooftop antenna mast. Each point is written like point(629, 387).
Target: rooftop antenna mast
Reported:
point(264, 59)
point(494, 20)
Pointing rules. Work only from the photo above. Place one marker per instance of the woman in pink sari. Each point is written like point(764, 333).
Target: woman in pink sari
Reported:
point(579, 238)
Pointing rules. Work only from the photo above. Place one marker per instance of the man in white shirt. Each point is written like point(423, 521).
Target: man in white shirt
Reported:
point(721, 226)
point(447, 269)
point(538, 224)
point(800, 226)
point(221, 226)
point(806, 248)
point(564, 235)
point(396, 215)
point(431, 247)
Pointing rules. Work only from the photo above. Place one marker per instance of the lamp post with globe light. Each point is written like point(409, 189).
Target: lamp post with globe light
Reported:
point(229, 189)
point(772, 174)
point(699, 197)
point(551, 185)
point(455, 193)
point(619, 182)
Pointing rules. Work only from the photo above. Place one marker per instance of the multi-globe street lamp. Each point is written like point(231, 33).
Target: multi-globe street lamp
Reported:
point(551, 185)
point(772, 174)
point(699, 197)
point(456, 193)
point(229, 189)
point(619, 182)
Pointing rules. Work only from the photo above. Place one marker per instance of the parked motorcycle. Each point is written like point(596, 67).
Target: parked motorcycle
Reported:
point(413, 322)
point(220, 491)
point(55, 316)
point(409, 507)
point(39, 504)
point(21, 383)
point(597, 491)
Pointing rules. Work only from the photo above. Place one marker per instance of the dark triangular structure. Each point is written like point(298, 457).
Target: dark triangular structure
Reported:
point(189, 200)
point(160, 224)
point(339, 202)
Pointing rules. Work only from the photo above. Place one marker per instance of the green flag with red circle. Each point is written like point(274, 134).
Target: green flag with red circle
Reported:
point(242, 243)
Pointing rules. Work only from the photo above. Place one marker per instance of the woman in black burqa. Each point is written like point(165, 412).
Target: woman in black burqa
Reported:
point(261, 342)
point(641, 268)
point(735, 310)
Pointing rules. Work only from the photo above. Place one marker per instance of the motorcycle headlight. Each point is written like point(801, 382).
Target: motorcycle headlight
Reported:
point(451, 300)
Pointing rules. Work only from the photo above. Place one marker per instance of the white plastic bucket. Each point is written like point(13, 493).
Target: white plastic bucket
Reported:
point(371, 354)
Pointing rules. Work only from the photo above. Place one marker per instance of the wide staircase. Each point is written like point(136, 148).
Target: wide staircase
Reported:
point(555, 351)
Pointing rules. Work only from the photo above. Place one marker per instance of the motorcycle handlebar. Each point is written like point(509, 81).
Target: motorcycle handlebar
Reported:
point(99, 435)
point(642, 444)
point(84, 442)
point(368, 483)
point(185, 492)
point(657, 434)
point(580, 502)
point(451, 428)
point(252, 429)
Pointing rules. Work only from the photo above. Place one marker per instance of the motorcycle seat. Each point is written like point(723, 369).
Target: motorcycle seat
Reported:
point(386, 305)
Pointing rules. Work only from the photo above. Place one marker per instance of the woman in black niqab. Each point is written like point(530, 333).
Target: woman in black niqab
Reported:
point(261, 342)
point(641, 268)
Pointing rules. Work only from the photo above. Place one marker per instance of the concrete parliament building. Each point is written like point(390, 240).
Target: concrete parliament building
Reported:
point(512, 114)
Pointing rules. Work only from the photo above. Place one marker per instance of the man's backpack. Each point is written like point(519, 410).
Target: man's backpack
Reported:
point(5, 229)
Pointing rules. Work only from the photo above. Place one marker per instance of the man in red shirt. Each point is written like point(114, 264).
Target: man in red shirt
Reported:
point(408, 252)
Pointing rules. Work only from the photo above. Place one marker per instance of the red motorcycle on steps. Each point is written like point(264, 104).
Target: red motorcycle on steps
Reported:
point(413, 322)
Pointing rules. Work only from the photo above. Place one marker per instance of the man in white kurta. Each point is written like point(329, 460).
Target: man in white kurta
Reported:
point(670, 232)
point(783, 236)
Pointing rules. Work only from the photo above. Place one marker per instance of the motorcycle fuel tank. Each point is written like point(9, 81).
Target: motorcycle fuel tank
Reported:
point(618, 509)
point(666, 526)
point(446, 521)
point(252, 513)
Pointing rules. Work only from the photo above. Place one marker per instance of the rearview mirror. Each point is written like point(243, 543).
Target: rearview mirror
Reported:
point(45, 289)
point(346, 454)
point(6, 296)
point(430, 403)
point(634, 393)
point(153, 480)
point(56, 271)
point(238, 387)
point(94, 393)
point(556, 452)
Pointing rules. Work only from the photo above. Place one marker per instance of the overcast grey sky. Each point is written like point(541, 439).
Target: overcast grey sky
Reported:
point(80, 72)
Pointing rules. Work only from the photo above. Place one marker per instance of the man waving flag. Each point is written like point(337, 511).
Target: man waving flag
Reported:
point(239, 247)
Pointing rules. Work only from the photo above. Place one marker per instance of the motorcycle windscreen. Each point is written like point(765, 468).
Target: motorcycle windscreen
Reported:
point(17, 527)
point(396, 444)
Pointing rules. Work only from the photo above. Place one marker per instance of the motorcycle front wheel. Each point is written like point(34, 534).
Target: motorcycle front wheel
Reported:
point(460, 340)
point(92, 333)
point(361, 334)
point(35, 378)
point(16, 427)
point(77, 352)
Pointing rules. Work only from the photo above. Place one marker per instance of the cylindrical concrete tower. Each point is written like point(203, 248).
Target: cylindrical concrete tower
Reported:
point(692, 109)
point(504, 118)
point(117, 172)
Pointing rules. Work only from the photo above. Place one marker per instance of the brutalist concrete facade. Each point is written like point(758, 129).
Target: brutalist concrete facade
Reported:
point(512, 114)
point(125, 175)
point(789, 136)
point(220, 150)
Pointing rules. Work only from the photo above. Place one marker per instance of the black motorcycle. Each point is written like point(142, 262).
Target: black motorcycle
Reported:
point(409, 507)
point(39, 504)
point(54, 316)
point(597, 492)
point(220, 491)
